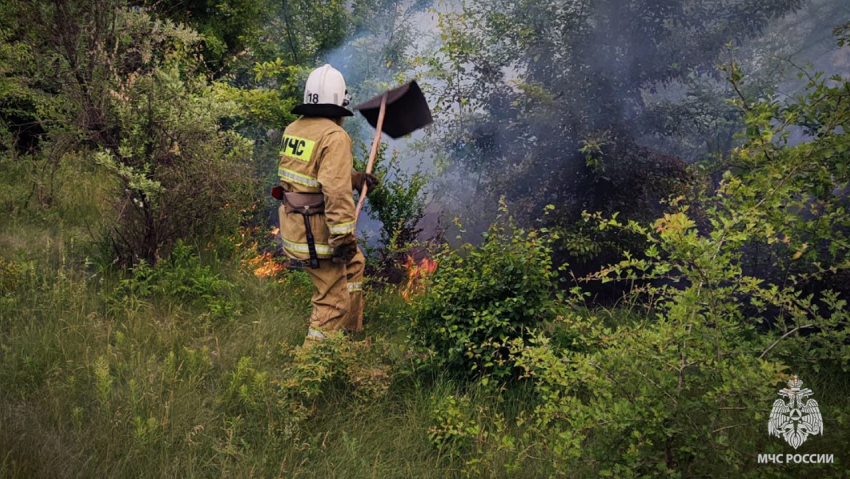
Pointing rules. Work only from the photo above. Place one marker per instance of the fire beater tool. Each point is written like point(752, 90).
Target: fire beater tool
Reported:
point(396, 112)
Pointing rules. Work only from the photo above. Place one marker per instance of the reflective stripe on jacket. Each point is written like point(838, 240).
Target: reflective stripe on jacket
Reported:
point(315, 156)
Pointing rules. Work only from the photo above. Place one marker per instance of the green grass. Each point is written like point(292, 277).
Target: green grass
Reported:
point(99, 385)
point(96, 382)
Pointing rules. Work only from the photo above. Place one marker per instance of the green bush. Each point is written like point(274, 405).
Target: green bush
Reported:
point(482, 297)
point(686, 386)
point(454, 430)
point(10, 276)
point(143, 116)
point(360, 367)
point(398, 203)
point(280, 401)
point(182, 278)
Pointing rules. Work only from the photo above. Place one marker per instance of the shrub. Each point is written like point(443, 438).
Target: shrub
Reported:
point(182, 278)
point(482, 297)
point(10, 276)
point(686, 387)
point(123, 92)
point(689, 389)
point(398, 203)
point(282, 400)
point(180, 174)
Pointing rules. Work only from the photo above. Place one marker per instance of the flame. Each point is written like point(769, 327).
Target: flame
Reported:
point(265, 266)
point(250, 240)
point(416, 272)
point(268, 270)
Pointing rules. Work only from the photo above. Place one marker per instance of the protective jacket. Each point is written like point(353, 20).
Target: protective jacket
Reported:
point(315, 157)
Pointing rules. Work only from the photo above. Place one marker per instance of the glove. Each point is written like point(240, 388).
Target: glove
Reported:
point(358, 178)
point(344, 252)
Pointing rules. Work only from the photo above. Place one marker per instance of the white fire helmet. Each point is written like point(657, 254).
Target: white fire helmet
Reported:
point(325, 94)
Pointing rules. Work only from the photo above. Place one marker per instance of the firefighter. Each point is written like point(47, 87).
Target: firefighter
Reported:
point(317, 217)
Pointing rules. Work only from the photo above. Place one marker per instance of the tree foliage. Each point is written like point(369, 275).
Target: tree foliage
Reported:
point(684, 383)
point(526, 83)
point(483, 297)
point(121, 90)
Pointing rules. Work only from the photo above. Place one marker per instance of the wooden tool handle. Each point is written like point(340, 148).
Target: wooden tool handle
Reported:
point(373, 154)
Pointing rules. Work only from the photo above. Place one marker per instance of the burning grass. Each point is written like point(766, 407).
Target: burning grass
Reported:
point(417, 273)
point(265, 266)
point(255, 249)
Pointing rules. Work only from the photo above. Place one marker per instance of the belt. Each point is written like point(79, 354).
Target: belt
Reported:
point(305, 204)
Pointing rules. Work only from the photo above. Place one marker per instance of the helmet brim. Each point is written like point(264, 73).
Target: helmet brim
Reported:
point(325, 110)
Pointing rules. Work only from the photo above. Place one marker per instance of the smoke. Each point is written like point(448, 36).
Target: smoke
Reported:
point(527, 84)
point(541, 79)
point(382, 54)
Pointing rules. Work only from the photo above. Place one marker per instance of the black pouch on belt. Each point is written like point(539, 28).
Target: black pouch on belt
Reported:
point(306, 204)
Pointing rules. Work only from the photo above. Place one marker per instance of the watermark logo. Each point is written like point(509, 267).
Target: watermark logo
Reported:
point(796, 459)
point(795, 420)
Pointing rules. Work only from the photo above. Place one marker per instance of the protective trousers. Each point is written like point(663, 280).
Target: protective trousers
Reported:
point(338, 300)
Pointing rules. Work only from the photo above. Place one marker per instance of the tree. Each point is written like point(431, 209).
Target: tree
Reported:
point(679, 381)
point(228, 27)
point(124, 91)
point(528, 81)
